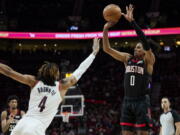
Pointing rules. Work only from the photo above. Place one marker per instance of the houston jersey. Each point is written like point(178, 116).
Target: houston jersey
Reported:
point(137, 80)
point(44, 102)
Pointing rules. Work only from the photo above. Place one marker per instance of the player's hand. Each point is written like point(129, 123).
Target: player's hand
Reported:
point(109, 25)
point(95, 45)
point(129, 13)
point(11, 118)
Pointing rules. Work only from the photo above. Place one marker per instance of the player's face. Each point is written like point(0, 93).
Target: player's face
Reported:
point(13, 104)
point(165, 104)
point(138, 50)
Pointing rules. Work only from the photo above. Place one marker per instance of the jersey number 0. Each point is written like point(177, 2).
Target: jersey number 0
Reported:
point(132, 80)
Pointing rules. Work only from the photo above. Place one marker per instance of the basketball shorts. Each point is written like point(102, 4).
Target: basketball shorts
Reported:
point(28, 126)
point(135, 114)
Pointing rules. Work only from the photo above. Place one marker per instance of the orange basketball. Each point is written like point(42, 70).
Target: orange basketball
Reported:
point(112, 13)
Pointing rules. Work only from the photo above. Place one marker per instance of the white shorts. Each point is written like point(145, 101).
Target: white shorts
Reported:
point(28, 126)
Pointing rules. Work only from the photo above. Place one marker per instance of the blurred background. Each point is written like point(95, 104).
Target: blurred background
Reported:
point(102, 84)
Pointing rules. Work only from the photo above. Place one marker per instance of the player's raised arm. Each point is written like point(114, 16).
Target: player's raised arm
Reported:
point(68, 82)
point(120, 56)
point(22, 78)
point(149, 56)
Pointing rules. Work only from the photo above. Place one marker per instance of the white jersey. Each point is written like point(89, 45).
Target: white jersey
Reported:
point(167, 121)
point(44, 102)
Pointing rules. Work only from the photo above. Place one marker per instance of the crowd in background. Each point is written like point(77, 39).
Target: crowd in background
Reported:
point(102, 82)
point(81, 15)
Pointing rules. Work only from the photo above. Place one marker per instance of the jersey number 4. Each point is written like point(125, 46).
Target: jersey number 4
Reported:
point(42, 104)
point(132, 80)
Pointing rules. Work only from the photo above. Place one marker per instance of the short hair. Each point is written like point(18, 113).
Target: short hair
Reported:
point(12, 97)
point(47, 73)
point(166, 98)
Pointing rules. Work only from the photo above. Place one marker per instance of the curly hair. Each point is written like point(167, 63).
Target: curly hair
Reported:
point(48, 73)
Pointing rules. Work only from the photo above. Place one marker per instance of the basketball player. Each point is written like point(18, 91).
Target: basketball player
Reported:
point(46, 93)
point(11, 116)
point(138, 71)
point(169, 120)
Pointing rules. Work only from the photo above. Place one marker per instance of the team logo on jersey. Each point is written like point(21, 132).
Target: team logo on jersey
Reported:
point(140, 62)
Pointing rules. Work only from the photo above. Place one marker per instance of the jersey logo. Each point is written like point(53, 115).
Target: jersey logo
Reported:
point(140, 62)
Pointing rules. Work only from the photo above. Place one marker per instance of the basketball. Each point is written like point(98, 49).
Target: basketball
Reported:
point(112, 13)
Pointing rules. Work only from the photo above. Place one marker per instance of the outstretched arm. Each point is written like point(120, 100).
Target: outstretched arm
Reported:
point(9, 72)
point(70, 81)
point(120, 56)
point(149, 56)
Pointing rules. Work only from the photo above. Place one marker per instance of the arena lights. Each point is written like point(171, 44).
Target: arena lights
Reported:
point(116, 43)
point(167, 48)
point(87, 35)
point(178, 42)
point(161, 43)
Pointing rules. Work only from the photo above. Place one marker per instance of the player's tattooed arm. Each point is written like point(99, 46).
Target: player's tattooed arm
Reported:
point(70, 81)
